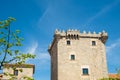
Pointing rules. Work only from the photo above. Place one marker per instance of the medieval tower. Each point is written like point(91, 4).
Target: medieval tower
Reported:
point(78, 56)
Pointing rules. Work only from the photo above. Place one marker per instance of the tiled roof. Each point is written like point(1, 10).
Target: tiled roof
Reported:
point(19, 65)
point(114, 76)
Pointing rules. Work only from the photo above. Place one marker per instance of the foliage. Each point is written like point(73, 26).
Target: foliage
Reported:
point(9, 45)
point(28, 78)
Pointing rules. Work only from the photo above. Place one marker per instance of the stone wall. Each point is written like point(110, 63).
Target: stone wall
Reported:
point(86, 55)
point(27, 70)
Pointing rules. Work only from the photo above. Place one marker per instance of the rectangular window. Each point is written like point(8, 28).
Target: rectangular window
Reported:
point(72, 57)
point(93, 43)
point(85, 71)
point(16, 72)
point(68, 42)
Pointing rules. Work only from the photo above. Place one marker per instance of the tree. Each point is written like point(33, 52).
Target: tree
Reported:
point(9, 43)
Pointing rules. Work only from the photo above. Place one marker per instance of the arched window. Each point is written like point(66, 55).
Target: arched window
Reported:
point(69, 36)
point(72, 36)
point(77, 36)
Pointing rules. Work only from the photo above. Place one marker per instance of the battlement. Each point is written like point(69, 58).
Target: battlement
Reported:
point(76, 33)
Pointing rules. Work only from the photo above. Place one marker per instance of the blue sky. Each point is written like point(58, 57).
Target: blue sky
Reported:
point(37, 20)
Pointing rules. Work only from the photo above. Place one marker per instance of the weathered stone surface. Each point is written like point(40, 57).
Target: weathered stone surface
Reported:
point(27, 70)
point(92, 57)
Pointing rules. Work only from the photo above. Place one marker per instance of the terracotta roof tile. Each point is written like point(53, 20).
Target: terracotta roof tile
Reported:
point(114, 76)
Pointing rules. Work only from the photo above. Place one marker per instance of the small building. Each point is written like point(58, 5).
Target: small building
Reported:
point(78, 56)
point(19, 71)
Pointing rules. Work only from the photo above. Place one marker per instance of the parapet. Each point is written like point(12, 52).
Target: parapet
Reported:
point(76, 34)
point(72, 33)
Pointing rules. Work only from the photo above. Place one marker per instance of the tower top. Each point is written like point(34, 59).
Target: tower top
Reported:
point(81, 34)
point(76, 34)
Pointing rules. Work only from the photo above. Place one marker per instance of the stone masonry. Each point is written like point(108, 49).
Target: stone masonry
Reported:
point(78, 56)
point(27, 71)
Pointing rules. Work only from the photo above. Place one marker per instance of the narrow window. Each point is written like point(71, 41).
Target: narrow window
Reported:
point(16, 72)
point(85, 71)
point(72, 57)
point(93, 43)
point(68, 42)
point(77, 37)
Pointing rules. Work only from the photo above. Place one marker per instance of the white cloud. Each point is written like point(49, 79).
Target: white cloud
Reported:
point(113, 46)
point(32, 48)
point(42, 56)
point(103, 11)
point(113, 55)
point(43, 15)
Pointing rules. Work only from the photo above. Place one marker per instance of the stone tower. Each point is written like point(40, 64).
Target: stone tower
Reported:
point(78, 56)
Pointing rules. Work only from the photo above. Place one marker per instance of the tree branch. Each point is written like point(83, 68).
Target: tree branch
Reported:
point(7, 46)
point(11, 60)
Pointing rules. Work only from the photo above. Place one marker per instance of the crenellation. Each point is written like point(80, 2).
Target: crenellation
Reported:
point(84, 32)
point(57, 31)
point(94, 32)
point(99, 33)
point(77, 32)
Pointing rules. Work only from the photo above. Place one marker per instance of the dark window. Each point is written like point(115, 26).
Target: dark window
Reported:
point(85, 71)
point(69, 36)
point(77, 36)
point(72, 57)
point(93, 43)
point(15, 72)
point(68, 42)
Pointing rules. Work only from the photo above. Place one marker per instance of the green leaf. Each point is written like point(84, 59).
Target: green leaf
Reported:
point(21, 38)
point(2, 40)
point(9, 52)
point(5, 74)
point(17, 31)
point(17, 44)
point(21, 70)
point(1, 32)
point(11, 18)
point(10, 45)
point(0, 22)
point(5, 42)
point(16, 52)
point(11, 75)
point(6, 23)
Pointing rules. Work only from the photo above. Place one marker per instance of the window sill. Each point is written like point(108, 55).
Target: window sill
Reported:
point(85, 74)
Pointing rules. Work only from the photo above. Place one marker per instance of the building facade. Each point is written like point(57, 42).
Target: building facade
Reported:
point(78, 56)
point(19, 73)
